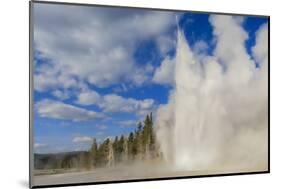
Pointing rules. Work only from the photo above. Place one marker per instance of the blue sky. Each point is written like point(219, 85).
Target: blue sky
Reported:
point(98, 71)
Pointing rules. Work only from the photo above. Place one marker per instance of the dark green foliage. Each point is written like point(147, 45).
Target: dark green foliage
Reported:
point(68, 160)
point(140, 144)
point(131, 146)
point(102, 153)
point(94, 151)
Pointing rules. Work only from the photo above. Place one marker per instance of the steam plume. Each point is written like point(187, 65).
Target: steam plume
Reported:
point(217, 114)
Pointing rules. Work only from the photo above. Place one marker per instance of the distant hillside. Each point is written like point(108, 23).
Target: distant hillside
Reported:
point(59, 160)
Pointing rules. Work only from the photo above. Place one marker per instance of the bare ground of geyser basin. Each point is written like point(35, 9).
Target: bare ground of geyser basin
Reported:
point(126, 172)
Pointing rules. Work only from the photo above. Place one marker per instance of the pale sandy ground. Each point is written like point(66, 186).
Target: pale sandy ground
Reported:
point(137, 171)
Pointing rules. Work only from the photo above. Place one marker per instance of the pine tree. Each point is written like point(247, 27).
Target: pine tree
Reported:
point(115, 150)
point(139, 144)
point(139, 141)
point(125, 150)
point(119, 148)
point(131, 146)
point(152, 134)
point(135, 145)
point(94, 151)
point(110, 154)
point(86, 161)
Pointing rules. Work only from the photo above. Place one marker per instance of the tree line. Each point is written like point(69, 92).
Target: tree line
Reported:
point(140, 144)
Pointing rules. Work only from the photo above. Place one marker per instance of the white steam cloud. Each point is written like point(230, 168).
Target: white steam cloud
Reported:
point(217, 114)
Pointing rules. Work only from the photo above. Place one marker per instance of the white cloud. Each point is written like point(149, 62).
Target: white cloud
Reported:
point(230, 49)
point(116, 103)
point(142, 74)
point(39, 145)
point(62, 95)
point(121, 88)
point(165, 44)
point(58, 110)
point(260, 50)
point(200, 47)
point(127, 123)
point(92, 44)
point(165, 73)
point(88, 97)
point(48, 76)
point(82, 139)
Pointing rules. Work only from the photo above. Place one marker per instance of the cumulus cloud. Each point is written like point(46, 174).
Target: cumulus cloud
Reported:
point(260, 50)
point(39, 145)
point(200, 47)
point(48, 77)
point(62, 95)
point(88, 97)
point(217, 114)
point(165, 73)
point(79, 46)
point(82, 139)
point(92, 44)
point(127, 123)
point(230, 49)
point(58, 110)
point(165, 44)
point(115, 103)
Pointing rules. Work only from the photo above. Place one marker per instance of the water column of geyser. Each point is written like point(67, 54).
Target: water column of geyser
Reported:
point(197, 111)
point(214, 119)
point(187, 130)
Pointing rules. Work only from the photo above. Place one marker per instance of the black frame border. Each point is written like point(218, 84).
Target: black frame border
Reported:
point(31, 2)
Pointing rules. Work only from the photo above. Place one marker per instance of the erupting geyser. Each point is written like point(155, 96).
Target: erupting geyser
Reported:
point(217, 114)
